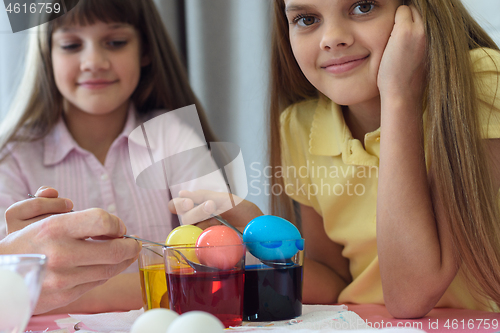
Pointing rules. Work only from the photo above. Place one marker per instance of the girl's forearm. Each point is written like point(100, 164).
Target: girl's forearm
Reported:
point(416, 257)
point(120, 293)
point(321, 284)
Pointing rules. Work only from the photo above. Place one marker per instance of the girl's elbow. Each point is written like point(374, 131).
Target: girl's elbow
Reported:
point(414, 298)
point(410, 306)
point(407, 311)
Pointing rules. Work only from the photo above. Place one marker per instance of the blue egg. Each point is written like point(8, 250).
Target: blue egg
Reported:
point(271, 237)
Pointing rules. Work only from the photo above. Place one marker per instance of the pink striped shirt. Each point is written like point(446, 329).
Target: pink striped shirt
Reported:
point(58, 161)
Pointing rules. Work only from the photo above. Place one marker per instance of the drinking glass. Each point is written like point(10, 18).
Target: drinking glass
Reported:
point(273, 288)
point(20, 284)
point(153, 281)
point(213, 283)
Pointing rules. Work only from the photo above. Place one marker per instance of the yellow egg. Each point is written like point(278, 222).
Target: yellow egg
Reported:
point(185, 235)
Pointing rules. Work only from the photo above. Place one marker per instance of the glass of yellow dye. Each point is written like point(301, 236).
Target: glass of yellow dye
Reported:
point(153, 281)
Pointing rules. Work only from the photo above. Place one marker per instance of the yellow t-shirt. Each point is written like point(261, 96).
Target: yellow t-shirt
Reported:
point(327, 169)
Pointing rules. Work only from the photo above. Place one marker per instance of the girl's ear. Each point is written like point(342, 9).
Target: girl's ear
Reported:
point(145, 60)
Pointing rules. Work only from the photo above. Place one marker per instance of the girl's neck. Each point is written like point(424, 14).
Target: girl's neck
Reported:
point(96, 132)
point(362, 118)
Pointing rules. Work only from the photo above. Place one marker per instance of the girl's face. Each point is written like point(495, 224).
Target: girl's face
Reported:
point(339, 44)
point(96, 67)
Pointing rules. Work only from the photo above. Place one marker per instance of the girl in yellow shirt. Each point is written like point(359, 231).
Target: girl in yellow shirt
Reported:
point(408, 90)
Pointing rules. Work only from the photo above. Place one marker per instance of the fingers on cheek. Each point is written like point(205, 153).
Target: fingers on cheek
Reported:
point(402, 13)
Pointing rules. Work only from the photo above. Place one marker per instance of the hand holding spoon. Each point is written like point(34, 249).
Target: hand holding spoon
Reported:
point(32, 196)
point(197, 267)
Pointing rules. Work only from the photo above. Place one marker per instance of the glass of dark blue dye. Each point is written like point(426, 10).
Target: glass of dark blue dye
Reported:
point(273, 288)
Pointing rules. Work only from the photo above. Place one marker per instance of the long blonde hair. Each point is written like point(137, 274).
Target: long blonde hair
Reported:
point(163, 83)
point(455, 152)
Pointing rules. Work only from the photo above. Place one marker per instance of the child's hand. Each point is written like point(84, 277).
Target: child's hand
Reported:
point(402, 68)
point(201, 205)
point(25, 212)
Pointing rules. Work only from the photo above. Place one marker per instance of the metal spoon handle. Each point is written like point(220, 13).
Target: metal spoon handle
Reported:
point(224, 222)
point(144, 240)
point(227, 224)
point(197, 267)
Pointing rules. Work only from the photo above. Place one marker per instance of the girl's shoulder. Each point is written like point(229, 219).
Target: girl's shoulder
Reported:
point(22, 150)
point(23, 139)
point(485, 60)
point(486, 67)
point(300, 113)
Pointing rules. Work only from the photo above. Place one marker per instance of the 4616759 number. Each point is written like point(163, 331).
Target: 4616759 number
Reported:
point(471, 324)
point(33, 8)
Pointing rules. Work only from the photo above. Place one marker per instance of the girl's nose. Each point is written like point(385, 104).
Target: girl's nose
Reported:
point(336, 35)
point(94, 60)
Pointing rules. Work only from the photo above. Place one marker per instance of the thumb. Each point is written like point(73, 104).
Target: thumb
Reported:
point(93, 222)
point(46, 192)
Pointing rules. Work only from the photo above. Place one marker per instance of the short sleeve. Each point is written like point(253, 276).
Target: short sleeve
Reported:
point(486, 66)
point(13, 187)
point(295, 128)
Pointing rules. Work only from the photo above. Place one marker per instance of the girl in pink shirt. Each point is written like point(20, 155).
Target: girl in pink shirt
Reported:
point(92, 76)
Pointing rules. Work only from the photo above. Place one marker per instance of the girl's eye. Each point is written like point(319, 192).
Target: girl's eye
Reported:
point(117, 43)
point(70, 47)
point(305, 21)
point(363, 8)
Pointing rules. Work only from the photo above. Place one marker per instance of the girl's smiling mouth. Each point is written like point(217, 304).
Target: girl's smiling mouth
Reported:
point(96, 84)
point(344, 64)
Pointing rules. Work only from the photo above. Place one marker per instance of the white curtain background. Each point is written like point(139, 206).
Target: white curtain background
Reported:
point(486, 12)
point(226, 47)
point(12, 48)
point(228, 59)
point(227, 50)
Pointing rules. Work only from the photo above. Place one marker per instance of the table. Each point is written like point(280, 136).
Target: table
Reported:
point(377, 316)
point(437, 321)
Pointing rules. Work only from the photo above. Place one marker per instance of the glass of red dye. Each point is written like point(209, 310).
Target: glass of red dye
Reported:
point(273, 289)
point(217, 290)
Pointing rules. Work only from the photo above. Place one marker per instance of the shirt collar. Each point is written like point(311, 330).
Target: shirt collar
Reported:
point(59, 142)
point(330, 136)
point(328, 129)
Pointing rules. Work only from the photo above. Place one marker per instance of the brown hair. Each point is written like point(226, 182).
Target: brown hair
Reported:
point(163, 82)
point(453, 141)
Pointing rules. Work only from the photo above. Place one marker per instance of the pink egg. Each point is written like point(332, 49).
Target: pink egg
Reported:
point(213, 247)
